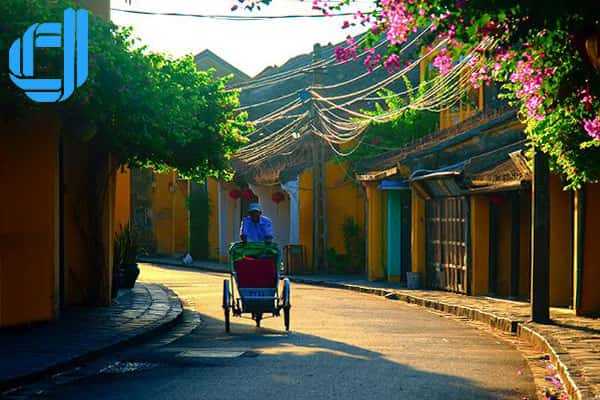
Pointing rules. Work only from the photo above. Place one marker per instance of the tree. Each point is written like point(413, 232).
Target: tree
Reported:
point(146, 109)
point(136, 108)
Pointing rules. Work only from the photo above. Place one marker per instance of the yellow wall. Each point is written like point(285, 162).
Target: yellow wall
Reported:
point(418, 235)
point(306, 215)
point(561, 244)
point(170, 211)
point(213, 218)
point(78, 279)
point(589, 303)
point(122, 198)
point(87, 276)
point(375, 267)
point(28, 221)
point(344, 199)
point(480, 244)
point(462, 110)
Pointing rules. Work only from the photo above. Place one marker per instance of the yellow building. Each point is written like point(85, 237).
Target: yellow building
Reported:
point(56, 223)
point(344, 198)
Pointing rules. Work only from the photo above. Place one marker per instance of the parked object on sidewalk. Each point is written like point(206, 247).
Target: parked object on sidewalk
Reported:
point(255, 279)
point(187, 259)
point(125, 253)
point(413, 280)
point(294, 259)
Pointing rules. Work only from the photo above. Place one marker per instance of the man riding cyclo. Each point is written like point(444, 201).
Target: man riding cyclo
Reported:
point(256, 235)
point(255, 226)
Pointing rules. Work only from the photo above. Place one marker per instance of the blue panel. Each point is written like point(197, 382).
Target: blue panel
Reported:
point(391, 184)
point(394, 230)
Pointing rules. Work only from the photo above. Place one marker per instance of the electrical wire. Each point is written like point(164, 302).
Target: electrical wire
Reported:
point(225, 17)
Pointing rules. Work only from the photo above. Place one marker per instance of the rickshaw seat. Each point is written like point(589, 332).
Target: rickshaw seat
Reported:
point(256, 272)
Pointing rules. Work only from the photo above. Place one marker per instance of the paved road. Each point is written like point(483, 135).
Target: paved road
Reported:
point(344, 345)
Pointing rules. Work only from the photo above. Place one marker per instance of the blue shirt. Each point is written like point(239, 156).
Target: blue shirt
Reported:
point(257, 231)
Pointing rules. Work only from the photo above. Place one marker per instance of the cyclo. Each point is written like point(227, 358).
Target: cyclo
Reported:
point(254, 276)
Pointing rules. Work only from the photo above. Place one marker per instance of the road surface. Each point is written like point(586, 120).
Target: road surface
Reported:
point(343, 345)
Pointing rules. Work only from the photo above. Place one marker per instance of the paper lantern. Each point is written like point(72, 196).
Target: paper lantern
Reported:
point(277, 197)
point(248, 194)
point(235, 194)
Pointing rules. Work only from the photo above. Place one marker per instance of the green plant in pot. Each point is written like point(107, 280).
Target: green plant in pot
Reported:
point(126, 251)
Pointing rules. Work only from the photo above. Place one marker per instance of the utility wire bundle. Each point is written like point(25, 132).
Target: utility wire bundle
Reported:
point(333, 119)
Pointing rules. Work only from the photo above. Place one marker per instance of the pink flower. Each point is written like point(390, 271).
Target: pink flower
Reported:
point(587, 98)
point(343, 54)
point(392, 63)
point(372, 60)
point(592, 127)
point(346, 25)
point(443, 61)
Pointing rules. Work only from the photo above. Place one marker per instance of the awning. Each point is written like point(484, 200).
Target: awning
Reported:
point(394, 184)
point(442, 182)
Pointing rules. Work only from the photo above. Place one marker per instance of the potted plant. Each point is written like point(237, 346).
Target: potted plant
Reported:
point(126, 251)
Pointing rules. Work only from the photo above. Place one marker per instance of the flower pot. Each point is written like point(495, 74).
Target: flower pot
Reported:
point(129, 274)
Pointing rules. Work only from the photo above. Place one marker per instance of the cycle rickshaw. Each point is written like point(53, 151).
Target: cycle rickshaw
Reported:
point(254, 286)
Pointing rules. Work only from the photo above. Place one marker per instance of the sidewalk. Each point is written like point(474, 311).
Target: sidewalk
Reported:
point(573, 343)
point(212, 266)
point(29, 353)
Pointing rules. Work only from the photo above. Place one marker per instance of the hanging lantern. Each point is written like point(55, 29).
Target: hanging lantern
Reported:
point(277, 197)
point(248, 194)
point(235, 194)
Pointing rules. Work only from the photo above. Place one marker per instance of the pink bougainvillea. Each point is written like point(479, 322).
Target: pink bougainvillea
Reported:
point(592, 127)
point(443, 61)
point(392, 63)
point(343, 54)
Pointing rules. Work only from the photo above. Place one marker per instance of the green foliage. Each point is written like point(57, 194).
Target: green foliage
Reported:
point(354, 258)
point(126, 247)
point(146, 109)
point(408, 126)
point(559, 134)
point(355, 244)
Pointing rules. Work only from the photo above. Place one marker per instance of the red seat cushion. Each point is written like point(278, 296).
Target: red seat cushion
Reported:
point(256, 272)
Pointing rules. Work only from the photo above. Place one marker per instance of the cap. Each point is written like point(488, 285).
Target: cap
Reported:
point(254, 207)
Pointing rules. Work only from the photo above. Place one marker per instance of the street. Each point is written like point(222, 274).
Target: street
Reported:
point(342, 345)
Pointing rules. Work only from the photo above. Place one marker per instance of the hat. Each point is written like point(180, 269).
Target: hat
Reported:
point(254, 207)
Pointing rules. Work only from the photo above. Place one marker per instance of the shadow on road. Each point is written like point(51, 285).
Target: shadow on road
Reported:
point(330, 356)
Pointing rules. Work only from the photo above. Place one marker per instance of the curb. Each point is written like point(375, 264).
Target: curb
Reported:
point(181, 264)
point(171, 319)
point(516, 327)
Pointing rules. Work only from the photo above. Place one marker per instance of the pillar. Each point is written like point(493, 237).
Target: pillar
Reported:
point(540, 240)
point(375, 269)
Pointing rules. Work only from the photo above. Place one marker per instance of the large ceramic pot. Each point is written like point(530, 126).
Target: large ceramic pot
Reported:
point(129, 274)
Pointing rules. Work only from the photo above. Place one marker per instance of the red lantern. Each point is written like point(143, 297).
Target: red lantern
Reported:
point(248, 194)
point(277, 197)
point(235, 194)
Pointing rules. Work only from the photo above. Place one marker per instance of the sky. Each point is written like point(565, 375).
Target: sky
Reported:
point(251, 46)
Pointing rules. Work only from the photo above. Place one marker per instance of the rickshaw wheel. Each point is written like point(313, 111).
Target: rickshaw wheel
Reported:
point(227, 323)
point(257, 319)
point(286, 318)
point(227, 304)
